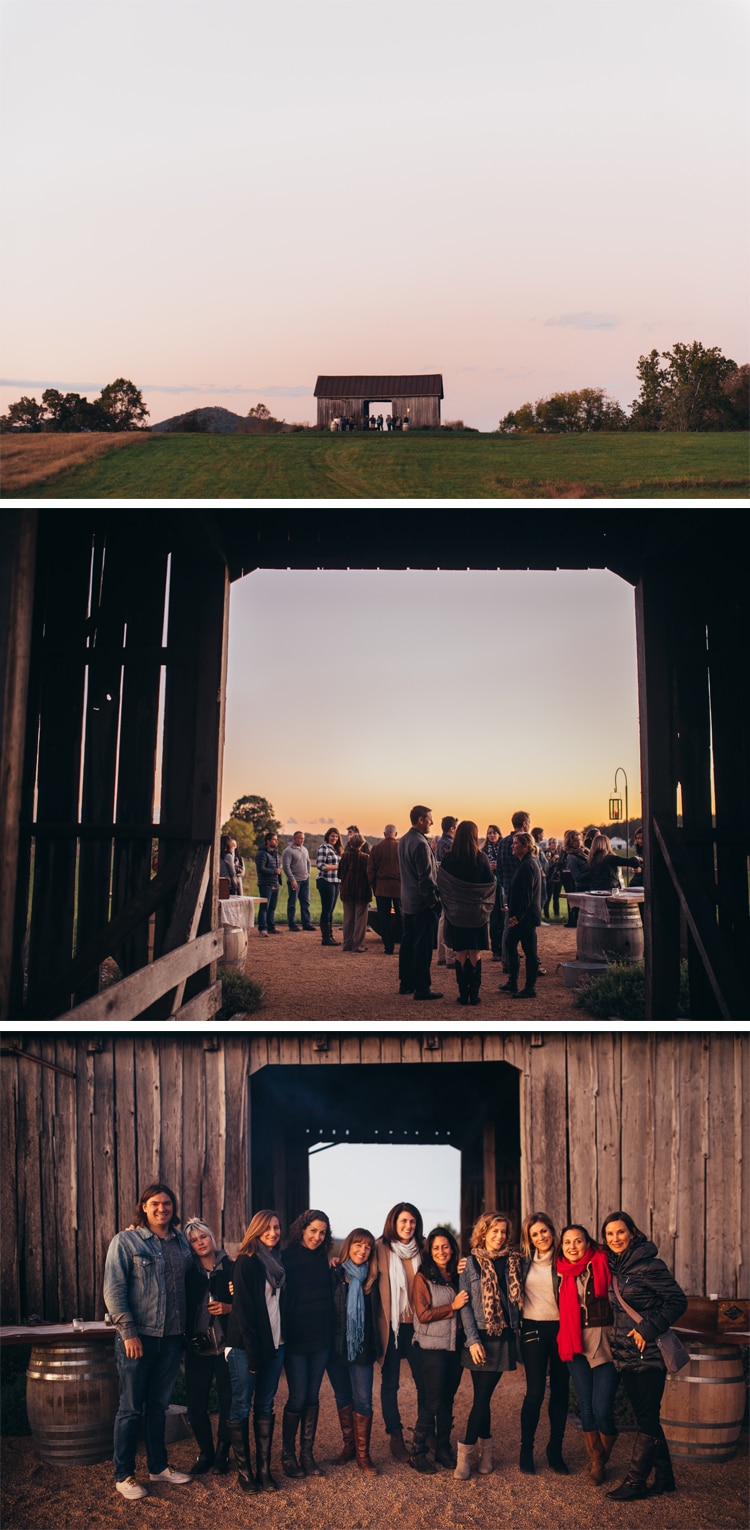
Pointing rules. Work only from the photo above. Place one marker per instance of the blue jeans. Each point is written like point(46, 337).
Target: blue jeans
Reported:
point(328, 893)
point(256, 1389)
point(146, 1387)
point(304, 1373)
point(266, 911)
point(352, 1385)
point(303, 893)
point(595, 1389)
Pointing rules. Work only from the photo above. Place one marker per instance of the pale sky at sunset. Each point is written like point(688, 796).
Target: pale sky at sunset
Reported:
point(353, 695)
point(221, 201)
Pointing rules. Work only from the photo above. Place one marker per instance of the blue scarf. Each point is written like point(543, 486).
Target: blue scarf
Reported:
point(355, 1307)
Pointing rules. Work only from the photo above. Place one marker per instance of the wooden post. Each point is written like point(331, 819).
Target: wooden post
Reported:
point(18, 530)
point(655, 647)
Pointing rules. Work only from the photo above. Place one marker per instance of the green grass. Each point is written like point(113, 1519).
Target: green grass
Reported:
point(424, 465)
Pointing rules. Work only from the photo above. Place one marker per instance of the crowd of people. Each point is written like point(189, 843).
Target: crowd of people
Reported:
point(566, 1307)
point(452, 893)
point(343, 422)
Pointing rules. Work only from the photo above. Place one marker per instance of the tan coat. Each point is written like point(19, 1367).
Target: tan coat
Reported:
point(384, 1292)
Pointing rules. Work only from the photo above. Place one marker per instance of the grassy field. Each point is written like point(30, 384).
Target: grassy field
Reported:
point(429, 465)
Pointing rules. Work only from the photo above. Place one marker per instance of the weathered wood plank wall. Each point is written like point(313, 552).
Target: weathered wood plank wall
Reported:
point(652, 1123)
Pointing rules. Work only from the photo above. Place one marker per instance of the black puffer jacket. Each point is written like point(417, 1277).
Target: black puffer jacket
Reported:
point(649, 1289)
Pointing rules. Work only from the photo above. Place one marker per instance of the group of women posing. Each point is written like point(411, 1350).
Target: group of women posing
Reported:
point(568, 1308)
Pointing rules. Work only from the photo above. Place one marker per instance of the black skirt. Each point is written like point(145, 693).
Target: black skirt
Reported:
point(500, 1352)
point(460, 939)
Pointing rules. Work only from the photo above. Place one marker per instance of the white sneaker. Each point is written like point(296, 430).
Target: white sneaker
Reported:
point(130, 1488)
point(170, 1475)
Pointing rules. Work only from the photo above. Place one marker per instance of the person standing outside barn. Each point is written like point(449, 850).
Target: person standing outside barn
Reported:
point(295, 863)
point(144, 1294)
point(419, 906)
point(268, 867)
point(385, 881)
point(524, 917)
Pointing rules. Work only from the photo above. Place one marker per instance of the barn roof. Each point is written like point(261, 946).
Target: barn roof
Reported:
point(422, 386)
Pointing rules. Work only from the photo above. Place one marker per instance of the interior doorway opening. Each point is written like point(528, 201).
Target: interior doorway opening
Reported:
point(358, 1183)
point(471, 1107)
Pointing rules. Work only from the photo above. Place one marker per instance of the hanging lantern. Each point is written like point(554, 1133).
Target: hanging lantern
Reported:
point(615, 809)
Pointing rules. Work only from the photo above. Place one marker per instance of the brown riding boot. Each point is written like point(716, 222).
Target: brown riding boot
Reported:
point(397, 1446)
point(608, 1441)
point(595, 1468)
point(346, 1420)
point(362, 1432)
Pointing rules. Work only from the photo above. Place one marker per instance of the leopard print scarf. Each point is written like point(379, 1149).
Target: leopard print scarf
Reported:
point(494, 1318)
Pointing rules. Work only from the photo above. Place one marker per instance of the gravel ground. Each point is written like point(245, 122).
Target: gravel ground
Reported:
point(304, 980)
point(39, 1497)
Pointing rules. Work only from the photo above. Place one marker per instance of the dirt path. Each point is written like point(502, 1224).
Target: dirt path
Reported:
point(38, 1497)
point(304, 980)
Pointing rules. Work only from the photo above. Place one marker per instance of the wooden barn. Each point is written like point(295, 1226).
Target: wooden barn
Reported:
point(416, 399)
point(577, 1125)
point(113, 653)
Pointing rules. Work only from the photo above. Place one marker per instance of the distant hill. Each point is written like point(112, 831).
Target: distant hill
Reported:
point(216, 421)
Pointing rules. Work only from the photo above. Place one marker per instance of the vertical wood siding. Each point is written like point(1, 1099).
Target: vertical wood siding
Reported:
point(651, 1123)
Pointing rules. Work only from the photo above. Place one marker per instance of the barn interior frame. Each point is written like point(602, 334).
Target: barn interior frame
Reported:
point(578, 1124)
point(113, 647)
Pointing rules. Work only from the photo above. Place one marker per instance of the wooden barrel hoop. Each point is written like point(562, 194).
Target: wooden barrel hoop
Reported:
point(704, 1404)
point(235, 948)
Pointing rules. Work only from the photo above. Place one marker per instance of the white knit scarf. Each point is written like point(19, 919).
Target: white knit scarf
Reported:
point(398, 1283)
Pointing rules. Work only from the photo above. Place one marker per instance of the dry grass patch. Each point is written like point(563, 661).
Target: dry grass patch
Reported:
point(26, 460)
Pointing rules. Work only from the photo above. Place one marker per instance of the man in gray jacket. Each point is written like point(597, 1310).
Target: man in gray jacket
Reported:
point(144, 1294)
point(295, 863)
point(419, 906)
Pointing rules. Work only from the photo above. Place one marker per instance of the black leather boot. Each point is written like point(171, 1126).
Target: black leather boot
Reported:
point(289, 1426)
point(221, 1459)
point(475, 983)
point(462, 981)
point(307, 1440)
point(641, 1462)
point(263, 1442)
point(239, 1435)
point(663, 1474)
point(419, 1458)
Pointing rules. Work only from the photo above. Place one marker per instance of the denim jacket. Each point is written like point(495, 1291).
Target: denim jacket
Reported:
point(135, 1286)
point(472, 1315)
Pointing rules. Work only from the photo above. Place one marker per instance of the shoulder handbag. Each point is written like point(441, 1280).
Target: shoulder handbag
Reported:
point(673, 1351)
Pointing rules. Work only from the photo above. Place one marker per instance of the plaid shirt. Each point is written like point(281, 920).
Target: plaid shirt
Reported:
point(328, 863)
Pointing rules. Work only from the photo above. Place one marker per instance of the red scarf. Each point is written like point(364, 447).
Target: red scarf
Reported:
point(569, 1339)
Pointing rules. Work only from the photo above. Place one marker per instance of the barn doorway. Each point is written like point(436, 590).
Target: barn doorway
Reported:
point(473, 1108)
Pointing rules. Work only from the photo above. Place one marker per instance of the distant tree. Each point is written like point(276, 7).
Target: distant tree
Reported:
point(736, 390)
point(684, 389)
point(124, 405)
point(259, 412)
point(26, 414)
point(72, 411)
point(582, 410)
point(256, 811)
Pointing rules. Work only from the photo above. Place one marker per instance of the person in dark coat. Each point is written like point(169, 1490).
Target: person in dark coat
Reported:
point(356, 1344)
point(642, 1280)
point(255, 1347)
point(604, 865)
point(468, 889)
point(524, 917)
point(308, 1333)
point(209, 1303)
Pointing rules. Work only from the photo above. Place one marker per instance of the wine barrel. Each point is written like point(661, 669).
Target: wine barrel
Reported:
point(72, 1396)
point(235, 948)
point(703, 1404)
point(610, 931)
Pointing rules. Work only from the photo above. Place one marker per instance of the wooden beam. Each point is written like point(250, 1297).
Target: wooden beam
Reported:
point(18, 530)
point(661, 910)
point(128, 999)
point(700, 913)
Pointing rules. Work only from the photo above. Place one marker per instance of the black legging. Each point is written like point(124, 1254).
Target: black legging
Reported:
point(540, 1353)
point(479, 1423)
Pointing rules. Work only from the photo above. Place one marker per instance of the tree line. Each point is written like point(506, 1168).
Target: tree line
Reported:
point(119, 406)
point(690, 387)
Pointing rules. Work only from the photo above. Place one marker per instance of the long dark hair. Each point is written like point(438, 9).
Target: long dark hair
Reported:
point(428, 1267)
point(302, 1221)
point(390, 1235)
point(465, 846)
point(139, 1216)
point(621, 1216)
point(575, 1227)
